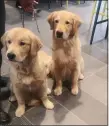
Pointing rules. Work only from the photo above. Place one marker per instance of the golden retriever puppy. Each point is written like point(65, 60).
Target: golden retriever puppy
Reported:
point(67, 60)
point(28, 72)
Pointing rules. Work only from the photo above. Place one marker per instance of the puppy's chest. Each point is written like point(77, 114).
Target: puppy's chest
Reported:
point(32, 88)
point(30, 84)
point(27, 80)
point(64, 57)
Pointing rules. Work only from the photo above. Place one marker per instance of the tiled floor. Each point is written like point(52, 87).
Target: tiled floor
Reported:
point(89, 107)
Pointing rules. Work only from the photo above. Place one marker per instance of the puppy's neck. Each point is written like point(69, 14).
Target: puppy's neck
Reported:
point(64, 44)
point(27, 66)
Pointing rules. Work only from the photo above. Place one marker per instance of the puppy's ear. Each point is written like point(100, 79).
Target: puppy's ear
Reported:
point(76, 23)
point(36, 45)
point(3, 38)
point(50, 20)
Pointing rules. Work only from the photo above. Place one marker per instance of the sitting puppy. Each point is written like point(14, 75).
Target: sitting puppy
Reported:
point(67, 60)
point(28, 72)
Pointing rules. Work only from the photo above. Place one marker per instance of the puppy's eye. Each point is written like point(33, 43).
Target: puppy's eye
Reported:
point(22, 43)
point(9, 42)
point(67, 22)
point(56, 21)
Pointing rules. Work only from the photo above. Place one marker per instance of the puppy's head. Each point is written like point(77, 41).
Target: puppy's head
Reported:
point(20, 43)
point(64, 24)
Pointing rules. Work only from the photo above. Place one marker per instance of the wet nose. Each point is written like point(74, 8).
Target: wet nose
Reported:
point(11, 56)
point(59, 34)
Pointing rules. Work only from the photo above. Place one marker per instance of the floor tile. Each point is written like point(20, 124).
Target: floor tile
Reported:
point(58, 116)
point(102, 73)
point(102, 45)
point(95, 52)
point(91, 64)
point(27, 108)
point(8, 107)
point(85, 107)
point(96, 87)
point(20, 121)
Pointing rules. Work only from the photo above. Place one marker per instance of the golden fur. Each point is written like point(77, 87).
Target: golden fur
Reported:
point(29, 69)
point(67, 60)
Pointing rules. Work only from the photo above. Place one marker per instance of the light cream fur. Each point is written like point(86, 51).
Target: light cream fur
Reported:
point(67, 60)
point(28, 72)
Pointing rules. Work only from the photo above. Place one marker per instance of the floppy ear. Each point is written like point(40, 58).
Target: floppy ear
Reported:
point(3, 39)
point(76, 23)
point(36, 45)
point(50, 20)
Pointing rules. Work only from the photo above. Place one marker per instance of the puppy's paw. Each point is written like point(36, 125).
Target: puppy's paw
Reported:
point(74, 90)
point(20, 111)
point(48, 104)
point(58, 91)
point(48, 91)
point(81, 77)
point(12, 98)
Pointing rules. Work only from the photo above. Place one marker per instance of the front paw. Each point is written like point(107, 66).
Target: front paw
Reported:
point(74, 90)
point(48, 104)
point(20, 111)
point(81, 77)
point(58, 91)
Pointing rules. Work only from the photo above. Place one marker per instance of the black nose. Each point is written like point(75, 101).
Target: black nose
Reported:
point(59, 34)
point(11, 56)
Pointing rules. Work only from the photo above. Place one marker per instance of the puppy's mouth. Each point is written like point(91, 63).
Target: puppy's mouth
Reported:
point(15, 61)
point(14, 58)
point(59, 36)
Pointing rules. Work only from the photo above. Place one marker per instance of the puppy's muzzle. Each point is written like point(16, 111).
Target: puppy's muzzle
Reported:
point(11, 56)
point(59, 34)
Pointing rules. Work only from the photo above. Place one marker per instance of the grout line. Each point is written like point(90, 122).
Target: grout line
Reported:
point(94, 58)
point(30, 109)
point(95, 98)
point(89, 95)
point(28, 120)
point(98, 77)
point(20, 118)
point(69, 111)
point(102, 50)
point(94, 73)
point(92, 95)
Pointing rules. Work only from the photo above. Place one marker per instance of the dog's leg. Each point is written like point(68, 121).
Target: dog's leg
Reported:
point(81, 75)
point(58, 89)
point(74, 89)
point(12, 98)
point(21, 103)
point(47, 103)
point(48, 91)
